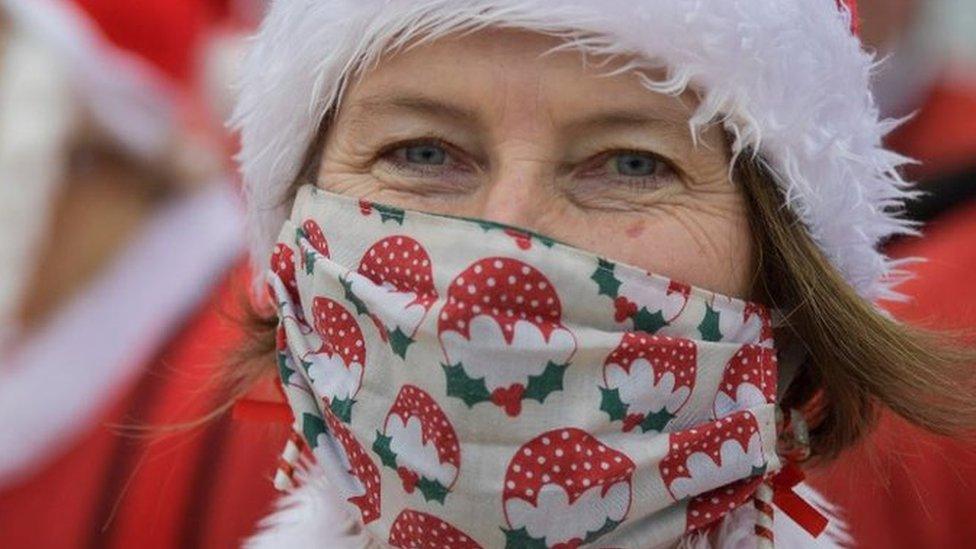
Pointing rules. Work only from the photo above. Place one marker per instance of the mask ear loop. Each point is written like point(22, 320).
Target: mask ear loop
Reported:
point(793, 448)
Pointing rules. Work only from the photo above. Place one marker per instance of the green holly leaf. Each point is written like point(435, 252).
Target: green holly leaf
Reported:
point(647, 322)
point(545, 240)
point(605, 279)
point(399, 342)
point(520, 539)
point(382, 448)
point(491, 225)
point(342, 408)
point(486, 225)
point(312, 427)
point(551, 379)
point(432, 490)
point(611, 404)
point(389, 213)
point(607, 527)
point(656, 421)
point(351, 297)
point(758, 471)
point(283, 369)
point(306, 364)
point(309, 262)
point(471, 391)
point(708, 327)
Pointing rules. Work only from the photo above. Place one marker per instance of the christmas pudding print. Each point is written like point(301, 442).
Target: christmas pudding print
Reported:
point(283, 265)
point(419, 443)
point(713, 455)
point(365, 475)
point(648, 307)
point(564, 489)
point(394, 285)
point(312, 242)
point(725, 320)
point(416, 530)
point(748, 382)
point(521, 237)
point(386, 213)
point(707, 508)
point(336, 366)
point(648, 379)
point(502, 335)
point(286, 366)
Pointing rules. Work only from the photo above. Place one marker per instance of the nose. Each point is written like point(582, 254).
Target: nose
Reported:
point(522, 190)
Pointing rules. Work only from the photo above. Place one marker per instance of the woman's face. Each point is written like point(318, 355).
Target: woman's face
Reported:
point(482, 126)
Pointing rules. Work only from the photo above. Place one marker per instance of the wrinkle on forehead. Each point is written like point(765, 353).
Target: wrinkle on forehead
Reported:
point(522, 79)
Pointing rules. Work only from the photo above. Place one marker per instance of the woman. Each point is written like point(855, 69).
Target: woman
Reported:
point(533, 278)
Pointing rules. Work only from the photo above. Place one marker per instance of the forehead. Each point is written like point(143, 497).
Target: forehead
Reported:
point(513, 71)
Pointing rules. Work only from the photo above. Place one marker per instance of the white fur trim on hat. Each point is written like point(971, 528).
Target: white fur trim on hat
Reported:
point(785, 77)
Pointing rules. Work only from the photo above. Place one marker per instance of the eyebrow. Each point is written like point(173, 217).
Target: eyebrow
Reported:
point(419, 104)
point(621, 118)
point(608, 120)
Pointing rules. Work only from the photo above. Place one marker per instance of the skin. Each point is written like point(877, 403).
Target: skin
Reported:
point(487, 126)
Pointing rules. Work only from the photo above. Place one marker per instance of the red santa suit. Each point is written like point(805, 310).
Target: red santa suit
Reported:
point(927, 500)
point(137, 347)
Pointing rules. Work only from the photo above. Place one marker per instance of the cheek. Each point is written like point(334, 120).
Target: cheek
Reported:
point(713, 252)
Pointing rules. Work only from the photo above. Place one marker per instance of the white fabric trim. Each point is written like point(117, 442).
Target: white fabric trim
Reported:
point(124, 95)
point(56, 66)
point(57, 382)
point(786, 77)
point(313, 516)
point(36, 120)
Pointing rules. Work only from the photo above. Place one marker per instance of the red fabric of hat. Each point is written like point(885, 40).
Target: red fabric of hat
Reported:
point(167, 33)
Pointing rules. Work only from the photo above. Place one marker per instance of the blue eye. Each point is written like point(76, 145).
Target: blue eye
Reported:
point(635, 164)
point(430, 155)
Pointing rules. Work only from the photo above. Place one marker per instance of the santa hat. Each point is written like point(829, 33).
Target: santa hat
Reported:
point(788, 79)
point(58, 68)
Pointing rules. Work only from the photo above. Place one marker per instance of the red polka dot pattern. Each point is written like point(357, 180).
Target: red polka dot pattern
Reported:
point(315, 237)
point(361, 467)
point(416, 530)
point(283, 265)
point(663, 353)
point(707, 508)
point(707, 439)
point(569, 458)
point(414, 402)
point(506, 289)
point(402, 262)
point(751, 364)
point(339, 331)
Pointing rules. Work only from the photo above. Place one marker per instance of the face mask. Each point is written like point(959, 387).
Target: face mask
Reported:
point(466, 384)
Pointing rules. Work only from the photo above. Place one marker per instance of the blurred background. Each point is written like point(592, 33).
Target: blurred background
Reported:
point(122, 272)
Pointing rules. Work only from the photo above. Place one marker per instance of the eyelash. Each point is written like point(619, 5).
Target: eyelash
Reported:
point(599, 160)
point(386, 153)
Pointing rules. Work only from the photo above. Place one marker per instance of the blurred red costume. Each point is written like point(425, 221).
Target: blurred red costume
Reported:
point(204, 486)
point(905, 488)
point(201, 487)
